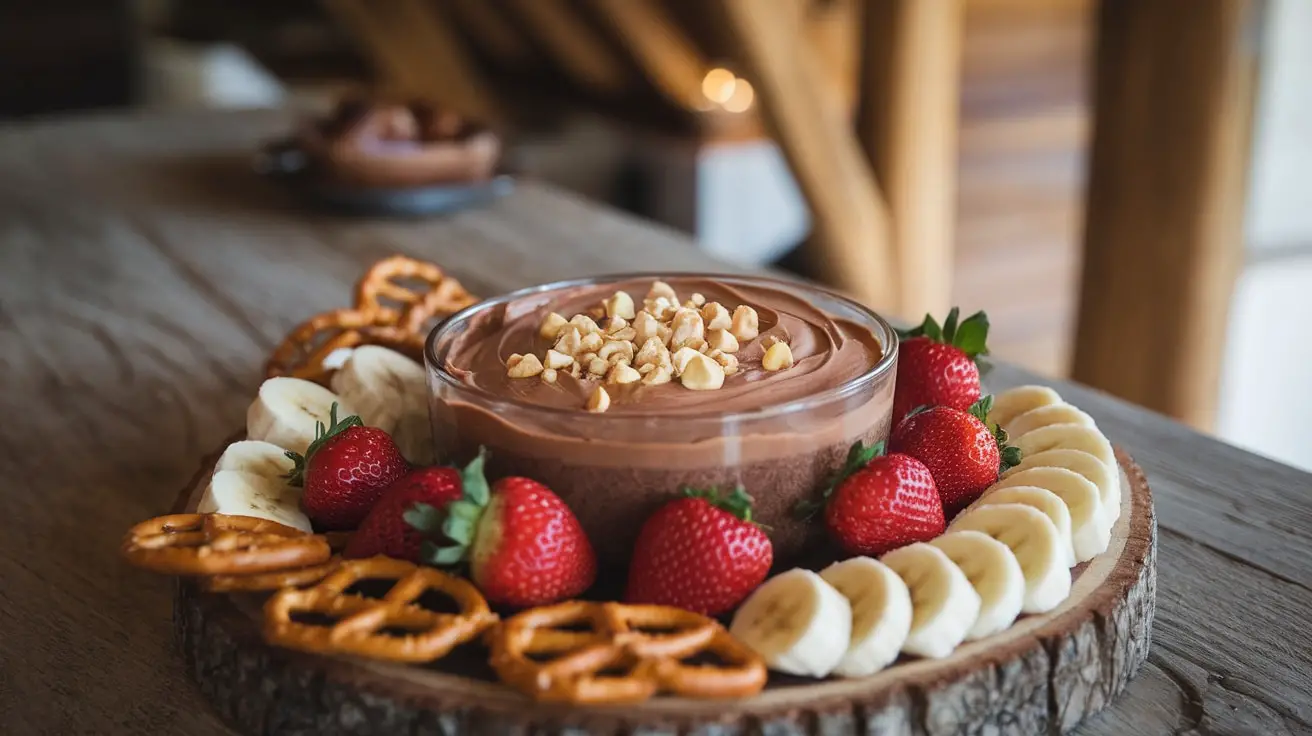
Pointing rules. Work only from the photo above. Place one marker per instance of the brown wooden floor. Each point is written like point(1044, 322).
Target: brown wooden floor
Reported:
point(1023, 139)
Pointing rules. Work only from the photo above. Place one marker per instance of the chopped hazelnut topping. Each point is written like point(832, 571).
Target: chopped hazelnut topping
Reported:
point(722, 340)
point(548, 375)
point(661, 289)
point(644, 327)
point(615, 324)
point(569, 340)
point(769, 341)
point(584, 359)
point(598, 400)
point(778, 357)
point(592, 342)
point(574, 370)
point(660, 374)
point(628, 334)
point(620, 305)
point(649, 353)
point(614, 348)
point(700, 373)
point(597, 367)
point(557, 359)
point(661, 308)
point(663, 332)
point(623, 373)
point(745, 324)
point(716, 316)
point(551, 326)
point(697, 300)
point(681, 358)
point(585, 324)
point(523, 366)
point(728, 361)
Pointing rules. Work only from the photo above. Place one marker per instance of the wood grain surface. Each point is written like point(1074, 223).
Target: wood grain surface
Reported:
point(144, 274)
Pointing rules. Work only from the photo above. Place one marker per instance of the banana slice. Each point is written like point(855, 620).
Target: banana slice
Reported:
point(243, 493)
point(944, 605)
point(287, 410)
point(253, 456)
point(391, 392)
point(881, 613)
point(1094, 470)
point(1051, 414)
point(797, 622)
point(1044, 500)
point(1090, 530)
point(1013, 402)
point(992, 569)
point(1071, 437)
point(1032, 537)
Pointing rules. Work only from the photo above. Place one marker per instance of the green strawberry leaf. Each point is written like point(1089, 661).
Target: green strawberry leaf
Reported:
point(972, 335)
point(918, 410)
point(424, 517)
point(322, 435)
point(980, 409)
point(858, 456)
point(473, 481)
point(441, 556)
point(738, 502)
point(1011, 457)
point(950, 325)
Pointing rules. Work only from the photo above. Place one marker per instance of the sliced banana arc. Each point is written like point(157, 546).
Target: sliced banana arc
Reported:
point(254, 456)
point(881, 614)
point(242, 493)
point(1045, 415)
point(1091, 468)
point(1044, 500)
point(1009, 404)
point(797, 622)
point(391, 392)
point(1072, 437)
point(1091, 532)
point(1032, 537)
point(287, 410)
point(944, 605)
point(992, 569)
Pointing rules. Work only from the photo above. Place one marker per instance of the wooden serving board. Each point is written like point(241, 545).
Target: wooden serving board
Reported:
point(1043, 675)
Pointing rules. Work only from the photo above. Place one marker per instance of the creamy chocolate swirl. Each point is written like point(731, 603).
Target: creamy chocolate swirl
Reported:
point(827, 351)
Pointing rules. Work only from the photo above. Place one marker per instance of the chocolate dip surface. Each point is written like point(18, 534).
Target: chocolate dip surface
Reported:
point(827, 352)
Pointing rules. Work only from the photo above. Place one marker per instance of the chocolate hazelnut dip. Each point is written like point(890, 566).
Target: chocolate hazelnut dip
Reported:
point(745, 381)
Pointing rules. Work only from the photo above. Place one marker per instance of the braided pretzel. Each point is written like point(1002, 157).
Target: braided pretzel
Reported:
point(620, 658)
point(280, 578)
point(386, 312)
point(359, 621)
point(218, 544)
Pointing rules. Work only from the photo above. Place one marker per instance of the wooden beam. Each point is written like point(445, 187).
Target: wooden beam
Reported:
point(851, 221)
point(419, 52)
point(1167, 181)
point(493, 30)
point(576, 48)
point(670, 59)
point(907, 122)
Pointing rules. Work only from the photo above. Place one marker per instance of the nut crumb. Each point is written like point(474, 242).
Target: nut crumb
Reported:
point(598, 400)
point(700, 373)
point(551, 326)
point(557, 359)
point(778, 357)
point(549, 375)
point(619, 305)
point(716, 316)
point(526, 366)
point(746, 324)
point(722, 340)
point(623, 373)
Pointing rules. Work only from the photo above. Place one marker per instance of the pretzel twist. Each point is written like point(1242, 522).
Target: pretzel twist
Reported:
point(280, 578)
point(387, 312)
point(359, 622)
point(219, 544)
point(620, 657)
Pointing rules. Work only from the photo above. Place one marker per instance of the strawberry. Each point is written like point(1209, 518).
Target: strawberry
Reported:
point(880, 502)
point(963, 453)
point(344, 471)
point(523, 544)
point(701, 553)
point(940, 366)
point(409, 513)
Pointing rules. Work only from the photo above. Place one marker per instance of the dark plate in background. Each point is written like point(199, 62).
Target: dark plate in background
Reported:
point(285, 162)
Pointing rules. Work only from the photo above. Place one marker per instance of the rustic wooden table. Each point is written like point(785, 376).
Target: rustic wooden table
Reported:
point(144, 275)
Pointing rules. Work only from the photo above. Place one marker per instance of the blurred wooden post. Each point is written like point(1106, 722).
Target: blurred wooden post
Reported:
point(907, 122)
point(1167, 183)
point(851, 221)
point(666, 54)
point(578, 50)
point(419, 51)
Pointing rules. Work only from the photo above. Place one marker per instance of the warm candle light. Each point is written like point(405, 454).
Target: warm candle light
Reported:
point(741, 99)
point(718, 85)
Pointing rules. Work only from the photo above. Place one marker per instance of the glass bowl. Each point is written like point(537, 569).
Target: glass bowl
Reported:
point(615, 469)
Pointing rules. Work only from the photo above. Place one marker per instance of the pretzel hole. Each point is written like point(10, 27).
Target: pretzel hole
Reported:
point(313, 618)
point(372, 588)
point(619, 669)
point(437, 602)
point(580, 626)
point(401, 631)
point(706, 658)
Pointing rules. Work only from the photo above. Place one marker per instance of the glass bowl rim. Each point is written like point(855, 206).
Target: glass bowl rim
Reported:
point(851, 386)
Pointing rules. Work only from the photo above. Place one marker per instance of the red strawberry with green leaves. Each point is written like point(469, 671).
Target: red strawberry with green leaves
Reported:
point(702, 553)
point(409, 513)
point(879, 502)
point(523, 544)
point(962, 451)
point(344, 471)
point(940, 366)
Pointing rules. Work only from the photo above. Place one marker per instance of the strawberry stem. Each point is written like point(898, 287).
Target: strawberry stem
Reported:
point(1009, 456)
point(738, 502)
point(970, 335)
point(460, 520)
point(322, 434)
point(858, 457)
